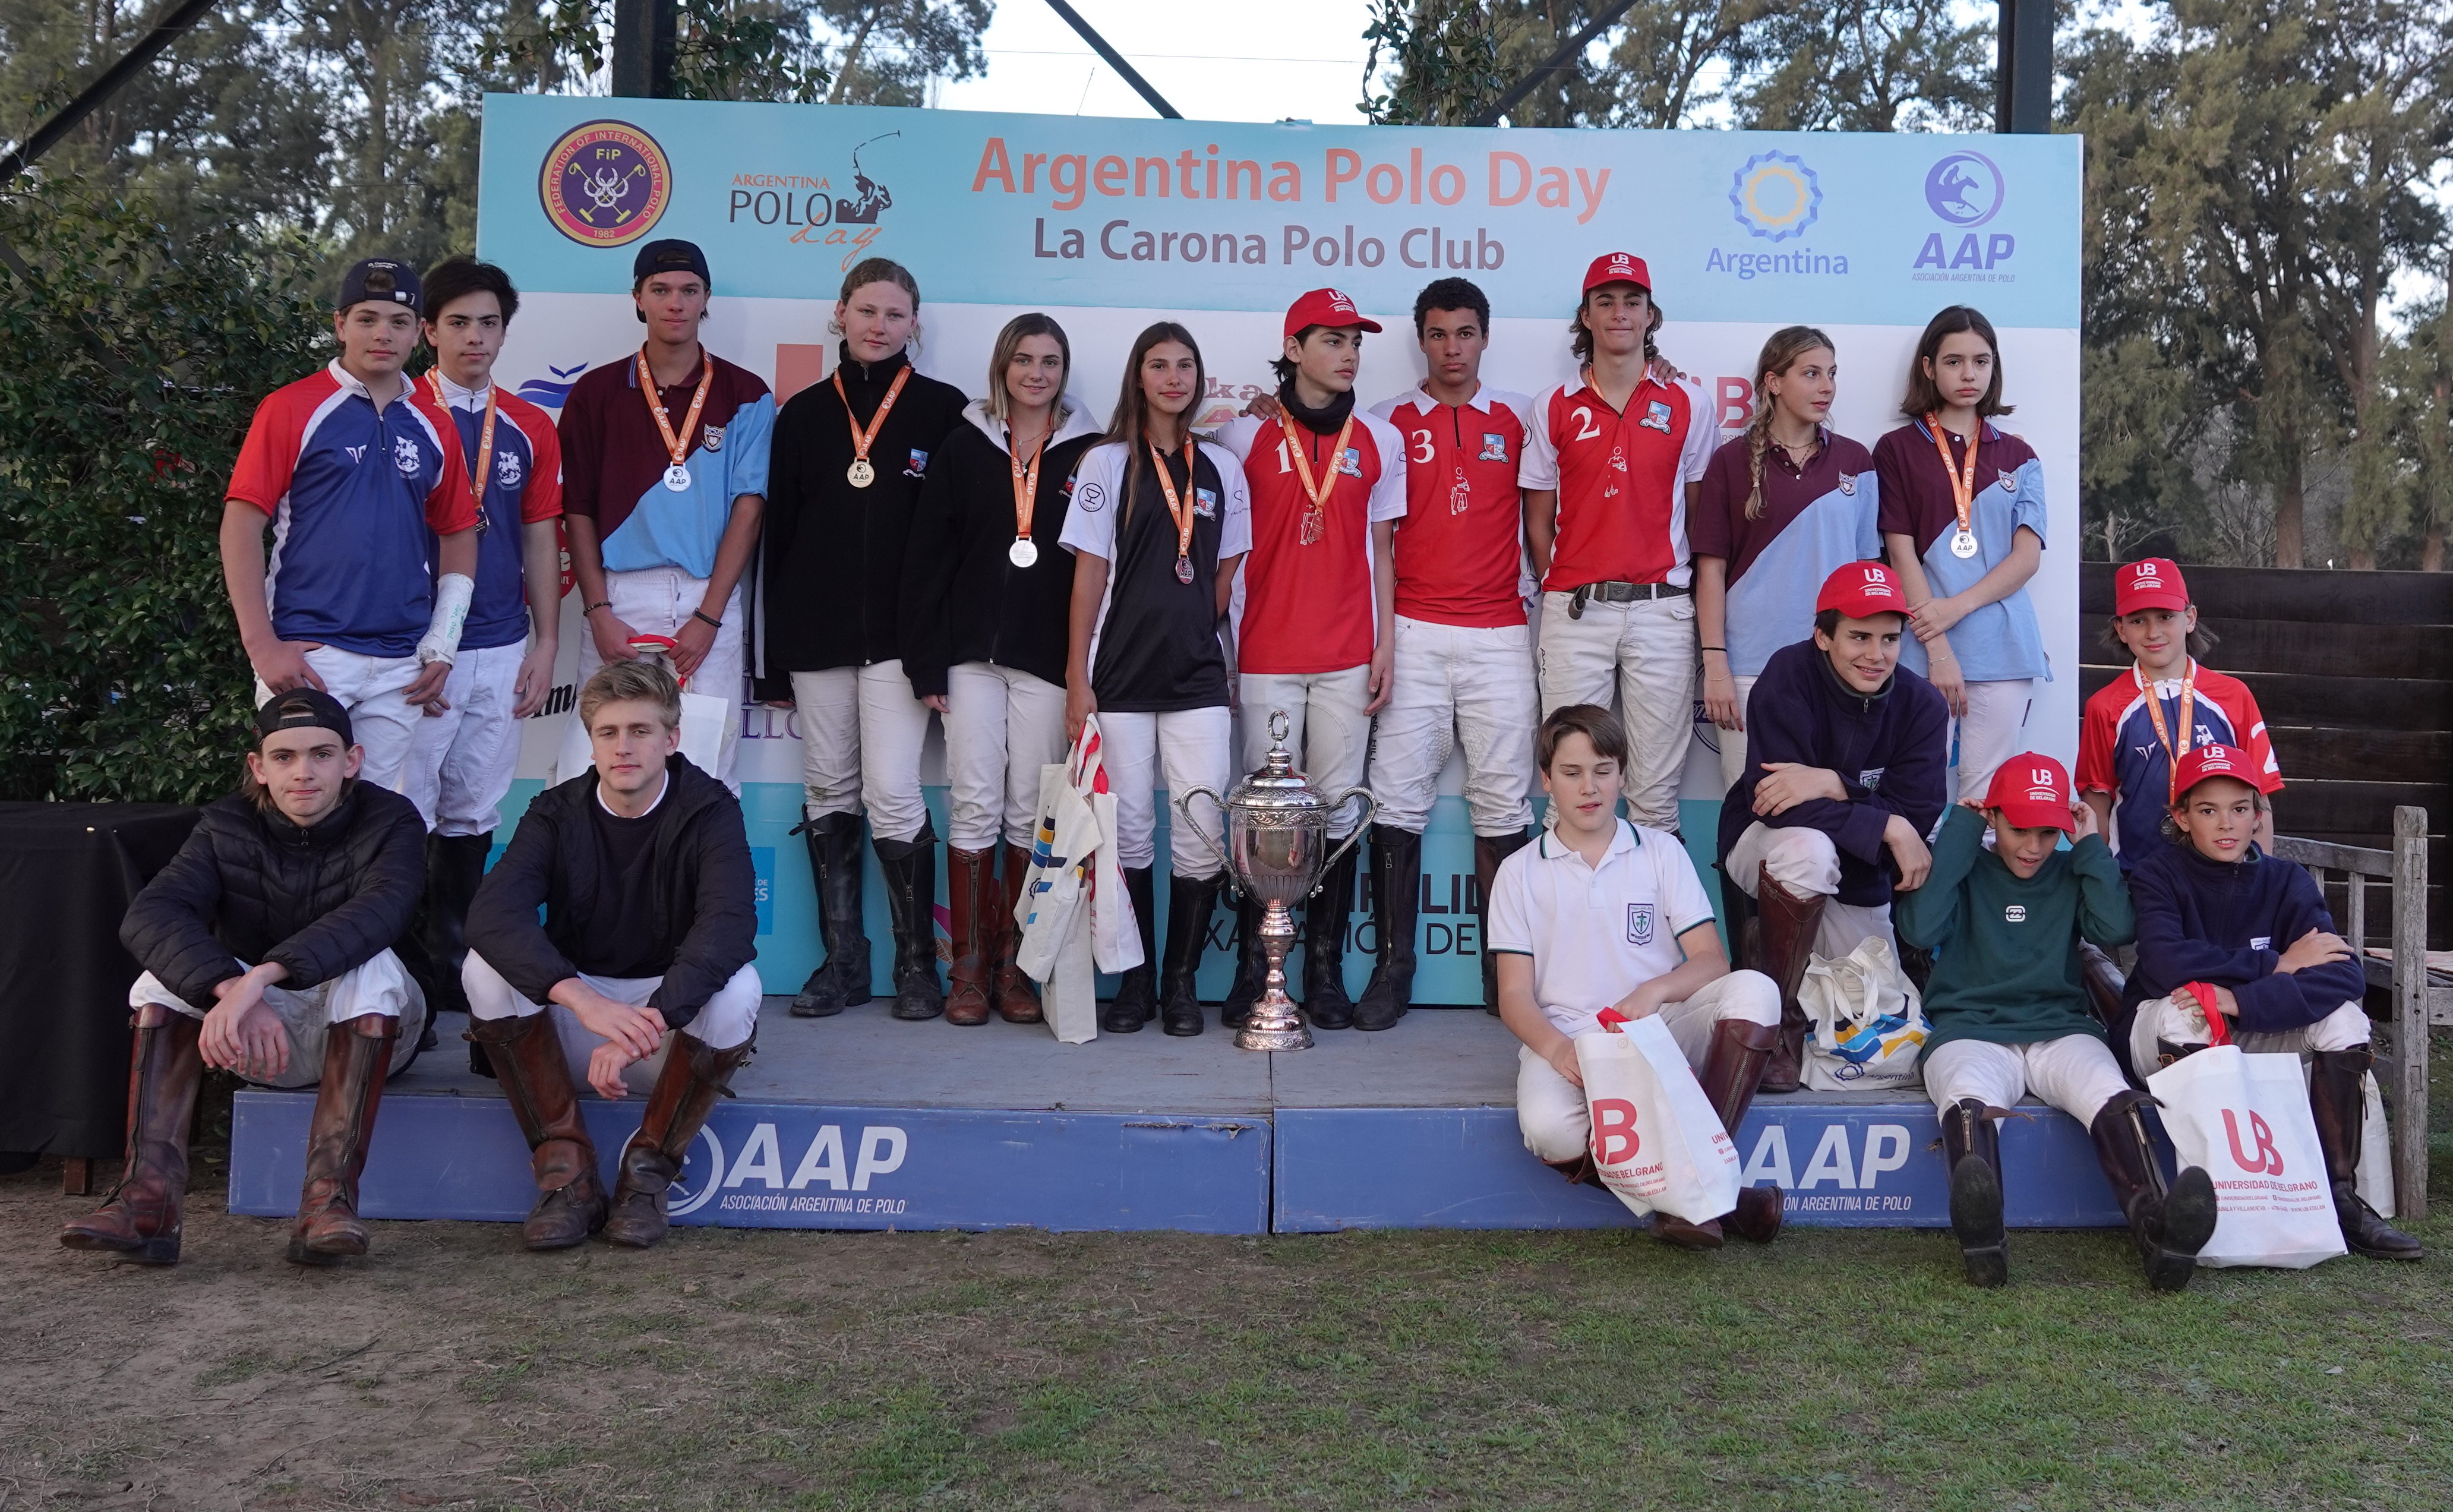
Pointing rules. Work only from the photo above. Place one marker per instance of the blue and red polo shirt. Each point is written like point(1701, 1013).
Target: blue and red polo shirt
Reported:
point(2120, 753)
point(523, 486)
point(356, 495)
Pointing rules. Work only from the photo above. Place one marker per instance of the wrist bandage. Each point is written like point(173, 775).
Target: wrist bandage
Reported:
point(453, 592)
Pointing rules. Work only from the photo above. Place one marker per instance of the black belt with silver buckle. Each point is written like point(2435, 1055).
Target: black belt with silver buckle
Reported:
point(1620, 594)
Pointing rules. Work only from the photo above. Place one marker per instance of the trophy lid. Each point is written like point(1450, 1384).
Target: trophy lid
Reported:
point(1277, 785)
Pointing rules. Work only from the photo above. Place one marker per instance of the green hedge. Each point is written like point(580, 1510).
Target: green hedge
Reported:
point(128, 368)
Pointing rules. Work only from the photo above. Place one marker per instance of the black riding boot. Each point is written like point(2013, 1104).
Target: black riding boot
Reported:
point(841, 982)
point(910, 867)
point(1488, 852)
point(2170, 1227)
point(1251, 966)
point(1971, 1144)
point(1136, 1000)
point(1189, 901)
point(454, 866)
point(1324, 938)
point(1396, 894)
point(2338, 1096)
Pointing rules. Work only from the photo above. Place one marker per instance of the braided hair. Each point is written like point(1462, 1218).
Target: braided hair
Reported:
point(1779, 355)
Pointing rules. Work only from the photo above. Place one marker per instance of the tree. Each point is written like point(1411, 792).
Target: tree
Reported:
point(887, 51)
point(1864, 65)
point(132, 359)
point(1444, 61)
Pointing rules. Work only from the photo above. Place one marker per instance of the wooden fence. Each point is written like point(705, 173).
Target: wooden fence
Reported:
point(2354, 671)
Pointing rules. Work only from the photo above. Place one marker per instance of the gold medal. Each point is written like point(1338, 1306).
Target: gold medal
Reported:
point(861, 474)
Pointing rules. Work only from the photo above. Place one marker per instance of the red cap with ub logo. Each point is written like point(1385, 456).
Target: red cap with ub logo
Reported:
point(2033, 791)
point(1860, 590)
point(1617, 267)
point(2153, 583)
point(1325, 307)
point(2202, 762)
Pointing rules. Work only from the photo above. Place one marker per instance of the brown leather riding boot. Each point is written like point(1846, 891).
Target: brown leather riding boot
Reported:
point(694, 1076)
point(971, 888)
point(1732, 1069)
point(1580, 1172)
point(357, 1054)
point(1786, 921)
point(529, 1063)
point(1017, 1001)
point(142, 1216)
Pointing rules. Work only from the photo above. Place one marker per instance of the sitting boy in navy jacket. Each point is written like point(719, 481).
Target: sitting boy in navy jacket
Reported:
point(2214, 910)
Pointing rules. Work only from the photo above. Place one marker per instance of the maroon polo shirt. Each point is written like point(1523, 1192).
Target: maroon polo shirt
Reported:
point(1719, 526)
point(613, 452)
point(1917, 498)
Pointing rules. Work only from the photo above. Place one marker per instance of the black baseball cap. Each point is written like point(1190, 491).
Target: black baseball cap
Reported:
point(302, 709)
point(381, 280)
point(670, 255)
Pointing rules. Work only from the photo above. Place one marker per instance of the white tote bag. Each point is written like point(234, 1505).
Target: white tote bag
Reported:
point(1656, 1140)
point(1115, 934)
point(1869, 1020)
point(1056, 912)
point(2245, 1119)
point(703, 715)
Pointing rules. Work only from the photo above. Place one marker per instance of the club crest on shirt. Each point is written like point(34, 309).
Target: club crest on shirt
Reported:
point(1848, 484)
point(713, 436)
point(1656, 415)
point(1638, 924)
point(1090, 497)
point(919, 466)
point(506, 468)
point(404, 455)
point(1350, 462)
point(1494, 447)
point(1871, 779)
point(1205, 503)
point(2014, 913)
point(2010, 481)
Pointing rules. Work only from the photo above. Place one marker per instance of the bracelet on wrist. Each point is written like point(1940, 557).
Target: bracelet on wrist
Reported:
point(701, 615)
point(606, 603)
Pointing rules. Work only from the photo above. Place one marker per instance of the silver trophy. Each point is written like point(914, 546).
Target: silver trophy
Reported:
point(1276, 849)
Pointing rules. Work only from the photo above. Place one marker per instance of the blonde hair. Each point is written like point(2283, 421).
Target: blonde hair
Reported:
point(1779, 355)
point(646, 681)
point(879, 271)
point(1010, 341)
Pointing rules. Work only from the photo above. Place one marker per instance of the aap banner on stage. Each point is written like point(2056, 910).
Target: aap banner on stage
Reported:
point(1112, 224)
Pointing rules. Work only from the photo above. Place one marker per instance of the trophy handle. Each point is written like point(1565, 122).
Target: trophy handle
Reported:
point(1183, 806)
point(1370, 811)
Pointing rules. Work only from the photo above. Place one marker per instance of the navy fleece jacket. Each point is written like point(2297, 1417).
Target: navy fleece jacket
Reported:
point(2226, 923)
point(1889, 748)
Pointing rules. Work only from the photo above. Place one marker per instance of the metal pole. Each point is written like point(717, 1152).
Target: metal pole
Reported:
point(643, 31)
point(1115, 60)
point(175, 23)
point(1574, 45)
point(2023, 78)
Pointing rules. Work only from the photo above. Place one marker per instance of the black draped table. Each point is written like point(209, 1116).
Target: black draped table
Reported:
point(67, 874)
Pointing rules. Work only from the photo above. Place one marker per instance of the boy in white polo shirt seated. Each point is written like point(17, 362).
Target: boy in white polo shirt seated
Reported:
point(1600, 913)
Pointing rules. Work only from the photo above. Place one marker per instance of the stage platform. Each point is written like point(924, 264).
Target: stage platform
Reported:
point(861, 1122)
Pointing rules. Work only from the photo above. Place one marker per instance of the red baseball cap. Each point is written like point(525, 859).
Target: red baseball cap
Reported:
point(1618, 267)
point(1861, 590)
point(2153, 583)
point(2202, 761)
point(2033, 790)
point(1325, 307)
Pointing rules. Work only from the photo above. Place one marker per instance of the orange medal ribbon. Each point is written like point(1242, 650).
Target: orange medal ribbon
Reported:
point(1962, 482)
point(860, 473)
point(1179, 506)
point(1316, 513)
point(483, 473)
point(2172, 753)
point(677, 477)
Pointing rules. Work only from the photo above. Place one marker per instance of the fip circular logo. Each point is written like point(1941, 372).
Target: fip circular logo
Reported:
point(1776, 196)
point(1964, 188)
point(605, 183)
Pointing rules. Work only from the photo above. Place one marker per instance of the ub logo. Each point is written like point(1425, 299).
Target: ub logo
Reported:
point(404, 455)
point(506, 468)
point(1638, 924)
point(1656, 416)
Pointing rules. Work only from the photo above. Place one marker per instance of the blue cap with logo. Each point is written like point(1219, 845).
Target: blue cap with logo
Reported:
point(382, 281)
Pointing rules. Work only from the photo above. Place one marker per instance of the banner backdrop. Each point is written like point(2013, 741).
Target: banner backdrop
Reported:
point(1112, 224)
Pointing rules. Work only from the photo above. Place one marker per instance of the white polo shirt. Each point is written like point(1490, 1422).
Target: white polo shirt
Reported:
point(1595, 934)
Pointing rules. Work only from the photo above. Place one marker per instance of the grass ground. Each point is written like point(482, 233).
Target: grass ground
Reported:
point(732, 1369)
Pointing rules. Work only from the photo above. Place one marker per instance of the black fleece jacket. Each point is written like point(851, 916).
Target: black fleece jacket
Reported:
point(962, 598)
point(833, 552)
point(704, 903)
point(248, 884)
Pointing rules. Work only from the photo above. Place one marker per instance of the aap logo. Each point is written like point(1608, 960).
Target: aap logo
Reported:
point(1776, 196)
point(699, 1176)
point(1964, 188)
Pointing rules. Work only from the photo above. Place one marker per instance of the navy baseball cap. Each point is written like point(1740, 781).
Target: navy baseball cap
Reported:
point(302, 709)
point(381, 280)
point(670, 255)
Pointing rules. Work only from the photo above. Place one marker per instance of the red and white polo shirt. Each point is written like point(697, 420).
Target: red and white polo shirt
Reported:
point(1307, 609)
point(1460, 548)
point(1621, 478)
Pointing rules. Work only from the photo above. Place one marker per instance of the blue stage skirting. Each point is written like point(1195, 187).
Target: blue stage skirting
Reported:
point(1287, 1169)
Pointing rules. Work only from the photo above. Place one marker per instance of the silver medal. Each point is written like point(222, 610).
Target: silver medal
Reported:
point(1022, 553)
point(1183, 570)
point(861, 473)
point(677, 478)
point(1964, 544)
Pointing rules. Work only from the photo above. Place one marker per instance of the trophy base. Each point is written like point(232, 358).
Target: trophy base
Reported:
point(1252, 1036)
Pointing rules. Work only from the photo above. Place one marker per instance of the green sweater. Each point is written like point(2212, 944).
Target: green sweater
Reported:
point(2005, 951)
